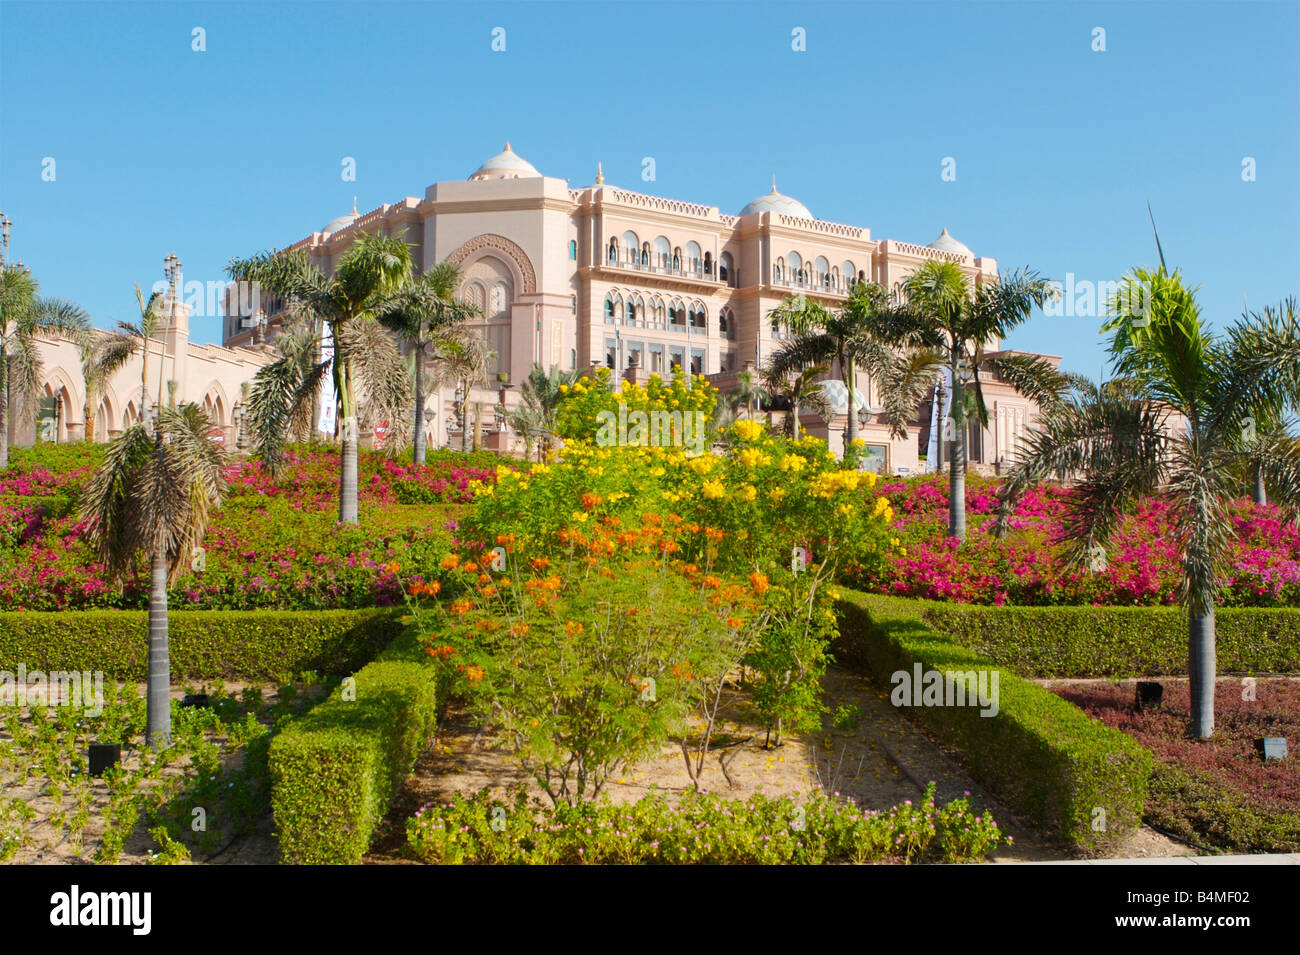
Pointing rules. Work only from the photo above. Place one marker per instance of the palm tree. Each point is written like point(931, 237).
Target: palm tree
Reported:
point(799, 384)
point(1180, 425)
point(748, 393)
point(540, 396)
point(143, 331)
point(463, 356)
point(152, 497)
point(416, 314)
point(946, 314)
point(362, 356)
point(869, 331)
point(25, 317)
point(101, 358)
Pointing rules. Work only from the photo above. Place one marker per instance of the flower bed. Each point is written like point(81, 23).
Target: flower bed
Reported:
point(1218, 795)
point(1028, 566)
point(274, 544)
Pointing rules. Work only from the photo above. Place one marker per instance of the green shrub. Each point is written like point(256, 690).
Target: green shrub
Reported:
point(335, 771)
point(1117, 641)
point(1039, 753)
point(205, 644)
point(701, 829)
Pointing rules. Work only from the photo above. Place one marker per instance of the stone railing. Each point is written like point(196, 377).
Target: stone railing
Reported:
point(826, 228)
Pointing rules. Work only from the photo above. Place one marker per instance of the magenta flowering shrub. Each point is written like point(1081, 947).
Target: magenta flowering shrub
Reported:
point(274, 544)
point(1028, 567)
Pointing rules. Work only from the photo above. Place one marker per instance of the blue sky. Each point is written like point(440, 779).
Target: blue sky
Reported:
point(1057, 147)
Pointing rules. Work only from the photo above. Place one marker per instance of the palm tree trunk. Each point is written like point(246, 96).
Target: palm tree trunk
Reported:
point(957, 466)
point(1261, 495)
point(464, 416)
point(850, 381)
point(4, 412)
point(794, 414)
point(348, 451)
point(417, 442)
point(1201, 667)
point(158, 705)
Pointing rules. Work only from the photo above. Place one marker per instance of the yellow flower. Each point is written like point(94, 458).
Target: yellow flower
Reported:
point(713, 490)
point(776, 495)
point(747, 493)
point(748, 430)
point(578, 517)
point(792, 462)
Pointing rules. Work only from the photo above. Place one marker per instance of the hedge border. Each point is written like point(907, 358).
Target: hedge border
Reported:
point(335, 772)
point(1043, 756)
point(1120, 642)
point(205, 644)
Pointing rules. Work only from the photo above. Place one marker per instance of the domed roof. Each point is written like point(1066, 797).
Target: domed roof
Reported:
point(505, 165)
point(836, 394)
point(947, 243)
point(776, 202)
point(342, 222)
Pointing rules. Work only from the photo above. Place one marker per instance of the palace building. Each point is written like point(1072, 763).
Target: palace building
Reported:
point(574, 278)
point(602, 274)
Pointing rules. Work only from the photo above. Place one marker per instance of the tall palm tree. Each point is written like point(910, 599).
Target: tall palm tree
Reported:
point(416, 313)
point(25, 317)
point(152, 496)
point(363, 357)
point(540, 398)
point(945, 313)
point(1180, 427)
point(101, 358)
point(143, 332)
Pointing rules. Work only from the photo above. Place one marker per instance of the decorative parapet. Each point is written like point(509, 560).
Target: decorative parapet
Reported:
point(674, 206)
point(925, 252)
point(826, 228)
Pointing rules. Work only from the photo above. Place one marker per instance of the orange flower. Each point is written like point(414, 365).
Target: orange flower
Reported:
point(539, 563)
point(433, 588)
point(573, 628)
point(759, 583)
point(484, 578)
point(589, 500)
point(735, 623)
point(518, 628)
point(470, 567)
point(450, 562)
point(392, 568)
point(506, 540)
point(711, 581)
point(489, 591)
point(473, 674)
point(441, 653)
point(682, 670)
point(461, 606)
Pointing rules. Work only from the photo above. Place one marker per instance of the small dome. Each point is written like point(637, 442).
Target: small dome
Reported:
point(505, 165)
point(342, 222)
point(946, 243)
point(836, 394)
point(776, 202)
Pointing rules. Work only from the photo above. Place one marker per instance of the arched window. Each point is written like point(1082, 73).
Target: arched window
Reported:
point(822, 271)
point(693, 257)
point(663, 253)
point(778, 270)
point(613, 250)
point(796, 268)
point(630, 316)
point(723, 324)
point(708, 263)
point(677, 260)
point(613, 306)
point(657, 310)
point(645, 253)
point(699, 316)
point(573, 250)
point(630, 245)
point(724, 267)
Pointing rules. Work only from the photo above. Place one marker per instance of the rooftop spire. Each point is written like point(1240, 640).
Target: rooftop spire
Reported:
point(508, 149)
point(354, 205)
point(773, 183)
point(600, 175)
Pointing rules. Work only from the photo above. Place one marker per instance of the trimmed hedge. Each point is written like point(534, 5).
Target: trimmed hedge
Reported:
point(1043, 756)
point(205, 644)
point(1117, 641)
point(335, 771)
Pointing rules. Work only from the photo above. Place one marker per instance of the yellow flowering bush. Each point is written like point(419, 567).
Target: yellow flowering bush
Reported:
point(579, 416)
point(763, 502)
